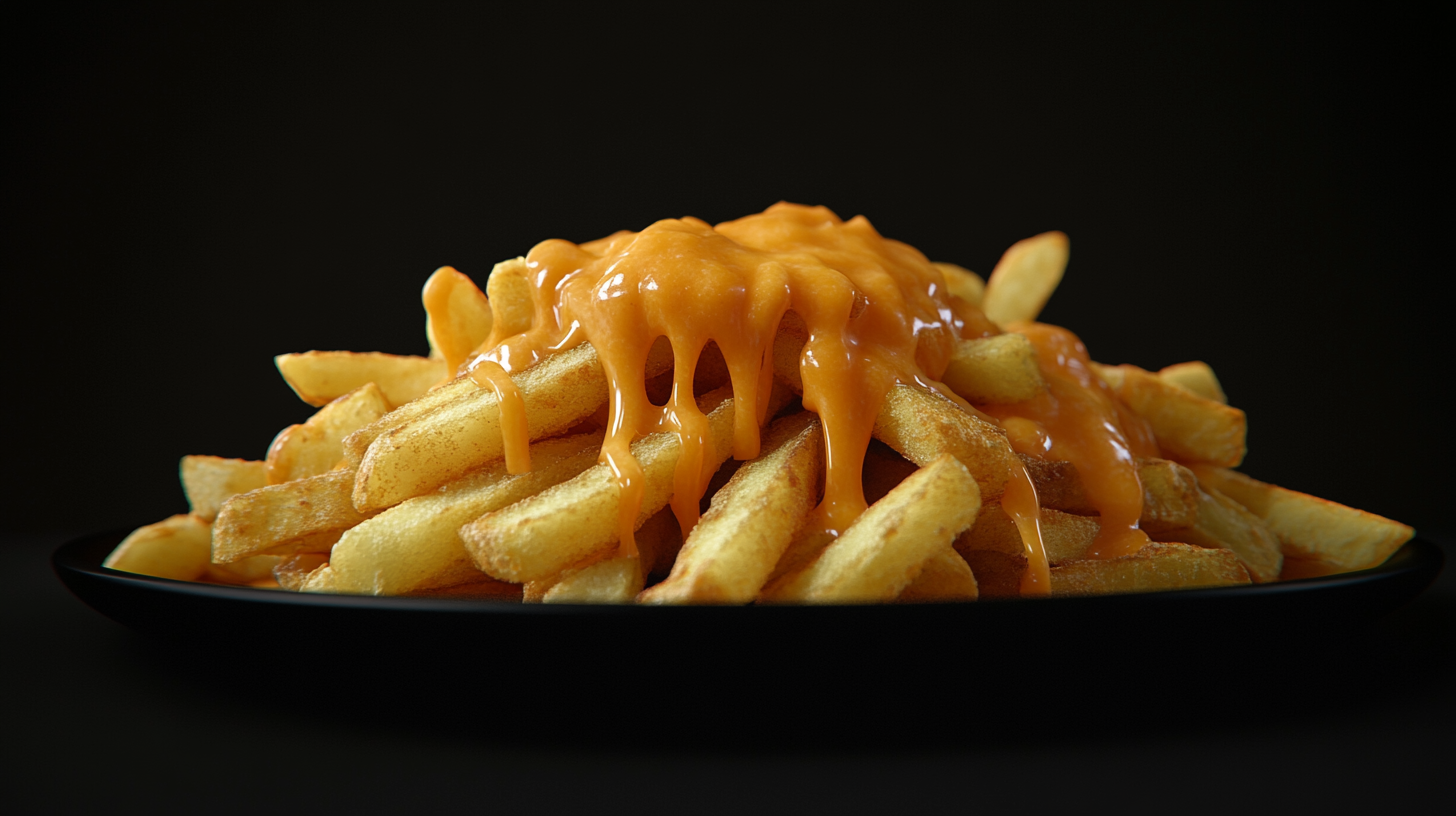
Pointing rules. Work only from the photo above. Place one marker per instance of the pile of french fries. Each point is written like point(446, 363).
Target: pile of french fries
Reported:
point(397, 485)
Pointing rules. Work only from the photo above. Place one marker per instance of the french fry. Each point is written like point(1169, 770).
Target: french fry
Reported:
point(466, 317)
point(997, 369)
point(292, 571)
point(919, 425)
point(1170, 491)
point(209, 481)
point(1025, 277)
point(539, 536)
point(482, 588)
point(608, 578)
point(962, 282)
point(994, 550)
point(175, 548)
point(1189, 428)
point(944, 577)
point(509, 290)
point(1195, 376)
point(886, 548)
point(305, 515)
point(1311, 528)
point(320, 580)
point(414, 545)
point(248, 571)
point(317, 445)
point(734, 547)
point(357, 443)
point(458, 437)
point(1223, 523)
point(1156, 567)
point(320, 377)
point(922, 426)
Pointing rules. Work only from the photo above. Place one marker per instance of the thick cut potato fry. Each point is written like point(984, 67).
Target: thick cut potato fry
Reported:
point(998, 369)
point(176, 548)
point(1170, 492)
point(306, 515)
point(292, 571)
point(509, 290)
point(1222, 522)
point(1196, 376)
point(1025, 277)
point(209, 481)
point(734, 547)
point(609, 578)
point(538, 537)
point(320, 377)
point(1156, 567)
point(997, 556)
point(414, 545)
point(249, 571)
point(466, 317)
point(962, 282)
point(460, 436)
point(317, 446)
point(945, 577)
point(922, 426)
point(1311, 528)
point(1188, 427)
point(320, 580)
point(357, 443)
point(886, 548)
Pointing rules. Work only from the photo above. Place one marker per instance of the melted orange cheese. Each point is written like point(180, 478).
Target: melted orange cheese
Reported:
point(877, 312)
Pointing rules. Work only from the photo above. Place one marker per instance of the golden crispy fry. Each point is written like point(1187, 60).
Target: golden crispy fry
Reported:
point(922, 426)
point(509, 289)
point(962, 282)
point(466, 312)
point(1158, 566)
point(734, 547)
point(320, 580)
point(460, 436)
point(317, 445)
point(306, 515)
point(1195, 376)
point(886, 548)
point(1025, 277)
point(997, 556)
point(999, 369)
point(357, 443)
point(248, 571)
point(945, 577)
point(540, 536)
point(482, 588)
point(292, 571)
point(1222, 522)
point(320, 377)
point(609, 578)
point(1311, 528)
point(177, 548)
point(414, 545)
point(1170, 492)
point(209, 481)
point(1188, 427)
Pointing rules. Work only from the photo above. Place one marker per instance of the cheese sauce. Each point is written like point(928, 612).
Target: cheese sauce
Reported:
point(877, 313)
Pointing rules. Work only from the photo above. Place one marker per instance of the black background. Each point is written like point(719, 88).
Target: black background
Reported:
point(191, 190)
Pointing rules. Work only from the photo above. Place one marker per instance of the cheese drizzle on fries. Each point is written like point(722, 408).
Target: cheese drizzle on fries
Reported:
point(932, 441)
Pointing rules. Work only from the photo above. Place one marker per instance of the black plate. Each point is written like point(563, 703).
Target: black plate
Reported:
point(1269, 614)
point(492, 665)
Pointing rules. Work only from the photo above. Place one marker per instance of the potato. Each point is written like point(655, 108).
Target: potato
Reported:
point(734, 547)
point(883, 551)
point(305, 515)
point(1025, 278)
point(610, 578)
point(1221, 522)
point(320, 377)
point(1188, 427)
point(209, 481)
point(998, 369)
point(176, 548)
point(1310, 528)
point(1195, 376)
point(962, 282)
point(316, 446)
point(461, 319)
point(1158, 566)
point(944, 577)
